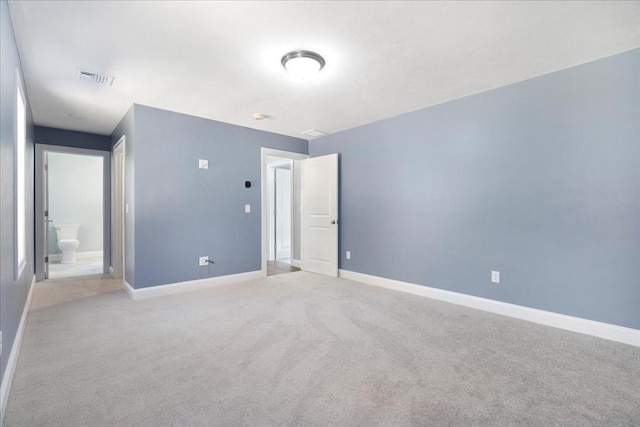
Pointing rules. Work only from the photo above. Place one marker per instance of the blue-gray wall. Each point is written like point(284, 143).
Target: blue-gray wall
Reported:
point(13, 293)
point(539, 180)
point(182, 212)
point(71, 138)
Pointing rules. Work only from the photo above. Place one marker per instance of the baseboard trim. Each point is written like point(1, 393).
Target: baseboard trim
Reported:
point(12, 361)
point(296, 263)
point(562, 321)
point(192, 285)
point(79, 255)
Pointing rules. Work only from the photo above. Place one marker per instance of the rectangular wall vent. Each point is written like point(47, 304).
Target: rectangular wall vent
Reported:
point(101, 79)
point(314, 133)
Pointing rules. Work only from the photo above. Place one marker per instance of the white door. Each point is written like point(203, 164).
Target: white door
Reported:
point(283, 213)
point(320, 215)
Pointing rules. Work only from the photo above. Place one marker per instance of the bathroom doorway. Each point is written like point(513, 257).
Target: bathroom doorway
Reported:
point(72, 212)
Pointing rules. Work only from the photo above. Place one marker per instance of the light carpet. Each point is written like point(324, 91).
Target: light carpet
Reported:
point(303, 349)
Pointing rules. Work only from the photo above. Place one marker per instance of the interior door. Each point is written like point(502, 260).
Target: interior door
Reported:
point(320, 215)
point(283, 213)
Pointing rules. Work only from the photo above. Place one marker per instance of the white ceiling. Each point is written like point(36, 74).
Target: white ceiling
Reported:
point(221, 60)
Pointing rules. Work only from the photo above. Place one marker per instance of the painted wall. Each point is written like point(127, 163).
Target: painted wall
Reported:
point(13, 293)
point(70, 138)
point(182, 212)
point(75, 197)
point(539, 180)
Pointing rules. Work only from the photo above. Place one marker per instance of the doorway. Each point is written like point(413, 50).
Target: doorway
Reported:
point(72, 212)
point(281, 211)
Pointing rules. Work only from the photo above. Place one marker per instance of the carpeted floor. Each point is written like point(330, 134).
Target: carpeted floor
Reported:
point(303, 349)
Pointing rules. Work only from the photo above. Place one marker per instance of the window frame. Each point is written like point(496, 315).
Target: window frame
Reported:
point(20, 176)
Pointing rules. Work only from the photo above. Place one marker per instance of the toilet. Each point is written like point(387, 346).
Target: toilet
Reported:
point(68, 241)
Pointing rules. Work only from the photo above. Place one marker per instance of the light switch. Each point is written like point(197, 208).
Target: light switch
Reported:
point(495, 276)
point(247, 208)
point(347, 255)
point(203, 164)
point(126, 207)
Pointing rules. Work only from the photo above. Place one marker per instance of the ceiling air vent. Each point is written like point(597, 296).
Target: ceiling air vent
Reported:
point(101, 79)
point(314, 133)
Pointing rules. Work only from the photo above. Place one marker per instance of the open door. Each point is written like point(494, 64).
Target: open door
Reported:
point(320, 215)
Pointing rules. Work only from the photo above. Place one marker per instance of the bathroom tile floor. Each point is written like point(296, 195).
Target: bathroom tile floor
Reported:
point(83, 267)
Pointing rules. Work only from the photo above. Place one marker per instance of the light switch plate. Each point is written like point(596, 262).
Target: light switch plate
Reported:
point(347, 255)
point(203, 164)
point(247, 208)
point(204, 260)
point(495, 276)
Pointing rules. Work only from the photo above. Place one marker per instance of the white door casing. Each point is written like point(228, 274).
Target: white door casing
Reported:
point(118, 209)
point(320, 215)
point(296, 240)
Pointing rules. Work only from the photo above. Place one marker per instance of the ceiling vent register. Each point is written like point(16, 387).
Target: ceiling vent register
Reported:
point(101, 79)
point(314, 133)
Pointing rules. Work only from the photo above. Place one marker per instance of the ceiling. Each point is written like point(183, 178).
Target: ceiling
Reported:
point(221, 60)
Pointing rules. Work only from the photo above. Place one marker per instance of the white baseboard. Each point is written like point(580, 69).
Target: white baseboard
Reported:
point(192, 285)
point(79, 255)
point(12, 360)
point(562, 321)
point(296, 263)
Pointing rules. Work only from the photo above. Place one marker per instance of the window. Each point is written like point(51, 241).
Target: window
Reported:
point(21, 197)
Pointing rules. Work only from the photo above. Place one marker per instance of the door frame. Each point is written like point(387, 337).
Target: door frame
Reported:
point(264, 200)
point(118, 234)
point(40, 150)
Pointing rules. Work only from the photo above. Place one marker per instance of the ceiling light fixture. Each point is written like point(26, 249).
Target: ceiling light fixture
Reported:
point(302, 64)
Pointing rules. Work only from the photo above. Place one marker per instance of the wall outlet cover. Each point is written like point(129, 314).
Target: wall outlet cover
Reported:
point(204, 260)
point(203, 164)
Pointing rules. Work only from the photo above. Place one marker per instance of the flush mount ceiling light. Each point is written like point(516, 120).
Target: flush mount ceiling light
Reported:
point(302, 64)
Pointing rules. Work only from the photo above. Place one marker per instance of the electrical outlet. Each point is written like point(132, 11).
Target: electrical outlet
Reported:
point(204, 260)
point(495, 276)
point(347, 255)
point(203, 164)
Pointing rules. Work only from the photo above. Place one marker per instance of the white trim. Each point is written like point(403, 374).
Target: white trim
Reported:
point(79, 255)
point(192, 285)
point(296, 263)
point(264, 200)
point(12, 360)
point(570, 323)
point(118, 209)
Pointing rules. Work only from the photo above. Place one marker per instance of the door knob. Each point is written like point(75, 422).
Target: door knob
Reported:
point(334, 221)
